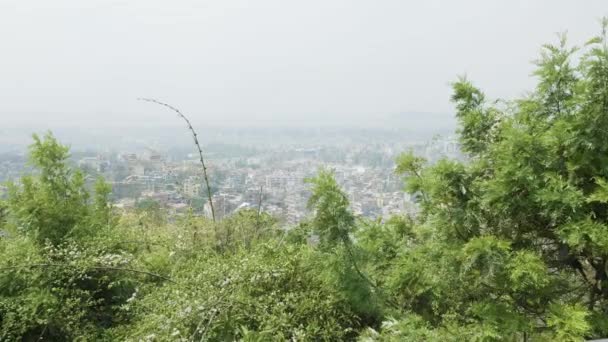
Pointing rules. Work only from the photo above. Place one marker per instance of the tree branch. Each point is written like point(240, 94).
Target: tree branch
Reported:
point(198, 146)
point(92, 267)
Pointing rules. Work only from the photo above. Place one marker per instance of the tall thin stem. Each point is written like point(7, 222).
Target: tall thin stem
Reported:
point(257, 221)
point(198, 146)
point(260, 200)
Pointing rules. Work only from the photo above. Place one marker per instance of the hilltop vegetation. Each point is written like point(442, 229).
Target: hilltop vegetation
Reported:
point(511, 245)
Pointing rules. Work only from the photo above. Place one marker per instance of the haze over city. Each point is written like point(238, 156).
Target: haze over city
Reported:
point(269, 62)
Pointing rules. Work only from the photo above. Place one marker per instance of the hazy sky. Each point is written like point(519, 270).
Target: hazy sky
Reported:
point(283, 61)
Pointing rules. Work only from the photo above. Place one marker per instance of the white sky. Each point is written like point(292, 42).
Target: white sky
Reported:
point(280, 61)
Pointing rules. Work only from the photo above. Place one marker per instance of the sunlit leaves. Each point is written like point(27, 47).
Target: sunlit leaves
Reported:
point(485, 256)
point(557, 79)
point(333, 220)
point(527, 271)
point(586, 234)
point(601, 193)
point(568, 321)
point(477, 122)
point(54, 204)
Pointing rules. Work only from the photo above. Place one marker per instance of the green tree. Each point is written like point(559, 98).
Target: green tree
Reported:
point(53, 204)
point(523, 224)
point(342, 261)
point(333, 220)
point(63, 274)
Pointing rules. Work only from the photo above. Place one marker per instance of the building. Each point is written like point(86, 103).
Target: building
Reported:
point(98, 164)
point(151, 156)
point(192, 187)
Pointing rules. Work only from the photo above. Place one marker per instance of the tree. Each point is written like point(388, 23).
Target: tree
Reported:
point(524, 222)
point(62, 272)
point(52, 205)
point(342, 262)
point(333, 220)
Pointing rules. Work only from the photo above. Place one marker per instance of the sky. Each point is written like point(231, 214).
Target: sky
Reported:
point(268, 62)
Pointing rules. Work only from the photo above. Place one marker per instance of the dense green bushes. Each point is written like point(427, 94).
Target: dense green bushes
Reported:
point(269, 292)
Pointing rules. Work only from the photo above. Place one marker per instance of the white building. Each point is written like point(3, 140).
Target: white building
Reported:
point(192, 187)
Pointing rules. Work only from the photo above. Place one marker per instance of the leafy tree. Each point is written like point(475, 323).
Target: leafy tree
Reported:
point(342, 260)
point(333, 221)
point(523, 223)
point(53, 205)
point(61, 272)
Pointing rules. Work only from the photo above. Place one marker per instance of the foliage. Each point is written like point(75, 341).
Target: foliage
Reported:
point(509, 245)
point(333, 221)
point(272, 293)
point(53, 205)
point(522, 223)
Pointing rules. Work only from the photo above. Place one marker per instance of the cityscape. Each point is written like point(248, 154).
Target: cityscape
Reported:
point(267, 178)
point(358, 171)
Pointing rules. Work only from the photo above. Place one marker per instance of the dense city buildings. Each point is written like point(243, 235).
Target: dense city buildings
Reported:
point(267, 177)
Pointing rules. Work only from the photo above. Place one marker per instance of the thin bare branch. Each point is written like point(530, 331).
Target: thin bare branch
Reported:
point(111, 268)
point(196, 142)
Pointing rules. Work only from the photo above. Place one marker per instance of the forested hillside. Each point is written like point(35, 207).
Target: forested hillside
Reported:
point(511, 245)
